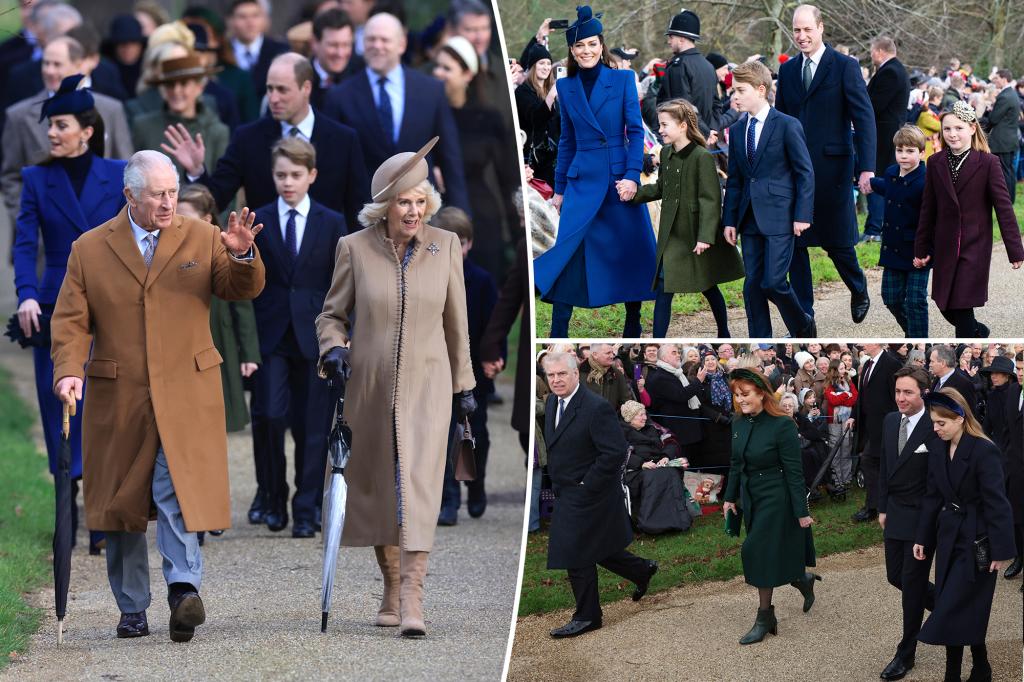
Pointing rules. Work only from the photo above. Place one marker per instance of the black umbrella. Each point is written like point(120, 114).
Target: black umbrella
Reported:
point(62, 529)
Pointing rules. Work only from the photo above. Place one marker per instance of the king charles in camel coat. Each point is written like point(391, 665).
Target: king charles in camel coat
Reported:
point(142, 337)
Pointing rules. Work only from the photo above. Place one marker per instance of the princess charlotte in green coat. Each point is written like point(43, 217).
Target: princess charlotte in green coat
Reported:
point(766, 476)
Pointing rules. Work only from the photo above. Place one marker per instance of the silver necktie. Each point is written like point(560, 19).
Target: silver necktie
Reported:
point(150, 249)
point(903, 434)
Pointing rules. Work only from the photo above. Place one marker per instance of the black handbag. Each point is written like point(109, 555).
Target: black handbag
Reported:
point(982, 554)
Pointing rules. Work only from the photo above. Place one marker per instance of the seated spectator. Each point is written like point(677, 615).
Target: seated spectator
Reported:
point(656, 492)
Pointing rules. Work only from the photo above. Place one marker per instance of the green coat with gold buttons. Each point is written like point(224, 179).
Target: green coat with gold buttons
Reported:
point(766, 478)
point(691, 211)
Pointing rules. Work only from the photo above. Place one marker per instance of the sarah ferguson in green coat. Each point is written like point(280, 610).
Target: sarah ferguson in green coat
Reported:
point(766, 476)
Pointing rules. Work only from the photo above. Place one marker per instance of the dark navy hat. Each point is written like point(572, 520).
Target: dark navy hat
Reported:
point(587, 25)
point(125, 28)
point(1000, 364)
point(685, 24)
point(68, 99)
point(536, 53)
point(717, 60)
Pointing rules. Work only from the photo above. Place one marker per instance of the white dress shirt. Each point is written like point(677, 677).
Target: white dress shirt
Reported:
point(305, 127)
point(945, 377)
point(241, 50)
point(301, 213)
point(912, 420)
point(141, 234)
point(815, 61)
point(566, 405)
point(761, 117)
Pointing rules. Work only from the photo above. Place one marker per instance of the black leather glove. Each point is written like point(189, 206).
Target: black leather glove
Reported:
point(335, 365)
point(466, 405)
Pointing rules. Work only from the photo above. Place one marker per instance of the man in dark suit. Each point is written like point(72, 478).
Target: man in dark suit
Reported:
point(825, 90)
point(332, 57)
point(942, 365)
point(344, 183)
point(1001, 122)
point(907, 439)
point(875, 399)
point(254, 50)
point(297, 244)
point(889, 90)
point(590, 524)
point(396, 109)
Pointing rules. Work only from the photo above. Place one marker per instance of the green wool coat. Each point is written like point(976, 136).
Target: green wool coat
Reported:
point(767, 478)
point(233, 327)
point(691, 211)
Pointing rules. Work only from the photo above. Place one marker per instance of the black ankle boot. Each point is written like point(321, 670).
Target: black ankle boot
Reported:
point(764, 624)
point(806, 587)
point(981, 671)
point(954, 661)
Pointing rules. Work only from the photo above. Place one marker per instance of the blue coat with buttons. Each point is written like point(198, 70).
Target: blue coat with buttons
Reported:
point(902, 207)
point(605, 247)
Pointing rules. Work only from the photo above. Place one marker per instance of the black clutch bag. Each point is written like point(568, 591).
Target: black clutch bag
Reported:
point(733, 522)
point(40, 339)
point(982, 554)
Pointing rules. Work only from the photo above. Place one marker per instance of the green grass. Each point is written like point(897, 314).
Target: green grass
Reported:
point(26, 522)
point(607, 322)
point(703, 553)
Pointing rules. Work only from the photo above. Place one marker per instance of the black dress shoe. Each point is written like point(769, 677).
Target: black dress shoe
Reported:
point(276, 520)
point(187, 612)
point(897, 668)
point(1013, 570)
point(575, 628)
point(133, 625)
point(865, 514)
point(303, 529)
point(476, 504)
point(859, 304)
point(258, 509)
point(641, 587)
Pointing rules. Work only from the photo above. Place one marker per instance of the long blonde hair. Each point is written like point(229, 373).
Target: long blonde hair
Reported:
point(684, 112)
point(979, 142)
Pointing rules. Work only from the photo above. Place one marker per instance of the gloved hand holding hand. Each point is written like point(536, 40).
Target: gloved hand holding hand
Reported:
point(466, 404)
point(335, 366)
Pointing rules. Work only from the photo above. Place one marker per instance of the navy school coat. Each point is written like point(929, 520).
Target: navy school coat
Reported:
point(836, 100)
point(779, 184)
point(902, 208)
point(426, 114)
point(617, 239)
point(342, 183)
point(586, 456)
point(294, 296)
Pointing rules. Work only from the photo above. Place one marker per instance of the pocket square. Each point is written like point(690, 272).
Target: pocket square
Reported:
point(188, 265)
point(921, 448)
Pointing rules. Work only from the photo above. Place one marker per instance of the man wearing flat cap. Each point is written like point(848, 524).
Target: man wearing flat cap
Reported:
point(133, 314)
point(689, 75)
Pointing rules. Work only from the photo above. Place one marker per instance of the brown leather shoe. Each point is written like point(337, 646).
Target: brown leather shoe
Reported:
point(388, 558)
point(413, 568)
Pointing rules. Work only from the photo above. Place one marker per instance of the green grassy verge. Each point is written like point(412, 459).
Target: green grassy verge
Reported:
point(26, 522)
point(703, 553)
point(607, 322)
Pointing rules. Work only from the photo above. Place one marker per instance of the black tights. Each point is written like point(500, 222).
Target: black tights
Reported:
point(955, 659)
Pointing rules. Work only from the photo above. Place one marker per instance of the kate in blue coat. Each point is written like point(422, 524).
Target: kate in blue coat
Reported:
point(605, 249)
point(75, 191)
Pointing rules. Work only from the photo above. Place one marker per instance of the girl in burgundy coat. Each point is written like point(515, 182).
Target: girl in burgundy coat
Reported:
point(963, 185)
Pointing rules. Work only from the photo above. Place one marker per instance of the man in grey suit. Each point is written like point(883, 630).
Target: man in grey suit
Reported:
point(1001, 125)
point(24, 138)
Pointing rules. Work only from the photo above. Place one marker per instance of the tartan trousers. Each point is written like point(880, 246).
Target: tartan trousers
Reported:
point(905, 294)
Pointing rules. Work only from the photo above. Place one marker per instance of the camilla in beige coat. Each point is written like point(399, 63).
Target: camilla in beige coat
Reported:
point(409, 353)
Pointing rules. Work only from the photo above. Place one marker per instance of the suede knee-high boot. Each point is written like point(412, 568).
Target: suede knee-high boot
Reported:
point(413, 569)
point(388, 560)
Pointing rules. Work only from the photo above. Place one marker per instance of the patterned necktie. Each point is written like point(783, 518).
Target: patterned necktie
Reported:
point(290, 240)
point(904, 422)
point(867, 374)
point(808, 76)
point(750, 139)
point(147, 256)
point(294, 132)
point(387, 117)
point(561, 411)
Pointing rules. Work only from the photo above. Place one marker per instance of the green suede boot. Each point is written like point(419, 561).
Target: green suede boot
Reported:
point(764, 624)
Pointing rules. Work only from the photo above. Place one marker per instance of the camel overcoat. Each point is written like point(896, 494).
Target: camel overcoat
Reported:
point(409, 355)
point(143, 339)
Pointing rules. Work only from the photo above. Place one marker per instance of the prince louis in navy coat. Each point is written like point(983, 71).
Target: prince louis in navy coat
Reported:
point(287, 392)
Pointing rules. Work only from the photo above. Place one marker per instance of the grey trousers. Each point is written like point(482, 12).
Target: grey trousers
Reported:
point(128, 555)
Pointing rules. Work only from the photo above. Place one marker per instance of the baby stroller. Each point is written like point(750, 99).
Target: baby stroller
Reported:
point(826, 475)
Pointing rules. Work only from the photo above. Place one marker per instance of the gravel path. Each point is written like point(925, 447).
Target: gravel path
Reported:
point(832, 310)
point(691, 633)
point(262, 591)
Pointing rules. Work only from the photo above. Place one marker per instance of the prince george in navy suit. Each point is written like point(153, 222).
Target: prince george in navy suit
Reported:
point(768, 199)
point(298, 245)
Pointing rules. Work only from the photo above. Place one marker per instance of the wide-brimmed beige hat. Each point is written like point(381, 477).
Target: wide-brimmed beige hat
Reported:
point(401, 172)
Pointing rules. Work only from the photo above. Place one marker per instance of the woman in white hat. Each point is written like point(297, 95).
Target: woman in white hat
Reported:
point(408, 354)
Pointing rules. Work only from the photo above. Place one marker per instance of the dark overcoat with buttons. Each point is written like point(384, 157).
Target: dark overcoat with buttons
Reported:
point(902, 207)
point(691, 201)
point(586, 456)
point(766, 477)
point(973, 481)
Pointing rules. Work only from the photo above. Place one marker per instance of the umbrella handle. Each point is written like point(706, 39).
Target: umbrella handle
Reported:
point(67, 421)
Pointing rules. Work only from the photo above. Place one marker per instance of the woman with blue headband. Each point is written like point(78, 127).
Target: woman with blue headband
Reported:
point(604, 252)
point(967, 522)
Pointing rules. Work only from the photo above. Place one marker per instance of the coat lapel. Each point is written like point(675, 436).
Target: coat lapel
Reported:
point(122, 242)
point(602, 91)
point(914, 439)
point(945, 176)
point(97, 185)
point(309, 237)
point(568, 416)
point(166, 246)
point(821, 72)
point(274, 241)
point(971, 165)
point(578, 99)
point(766, 134)
point(741, 430)
point(63, 196)
point(961, 462)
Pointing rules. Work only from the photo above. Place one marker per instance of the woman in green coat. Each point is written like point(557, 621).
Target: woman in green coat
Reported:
point(766, 476)
point(691, 254)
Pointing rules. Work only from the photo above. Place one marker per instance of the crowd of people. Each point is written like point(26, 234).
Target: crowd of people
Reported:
point(933, 432)
point(775, 155)
point(311, 158)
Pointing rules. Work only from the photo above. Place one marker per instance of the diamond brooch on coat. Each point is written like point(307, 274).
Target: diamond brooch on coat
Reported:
point(433, 249)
